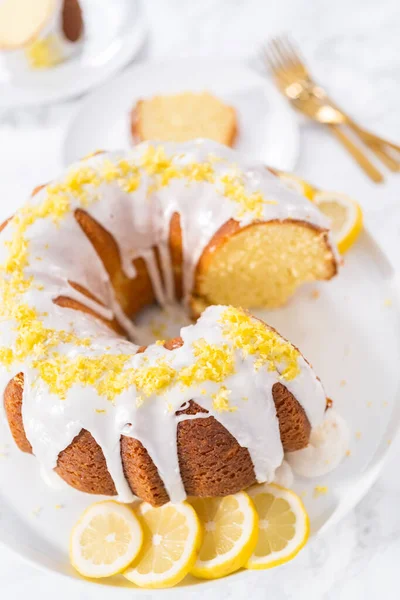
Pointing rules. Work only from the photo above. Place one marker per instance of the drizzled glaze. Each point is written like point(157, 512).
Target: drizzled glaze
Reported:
point(79, 375)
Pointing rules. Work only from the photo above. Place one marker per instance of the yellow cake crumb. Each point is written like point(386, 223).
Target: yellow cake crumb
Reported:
point(157, 329)
point(320, 490)
point(358, 435)
point(343, 383)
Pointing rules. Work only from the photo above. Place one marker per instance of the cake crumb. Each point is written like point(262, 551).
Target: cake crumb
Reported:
point(348, 452)
point(389, 442)
point(320, 490)
point(369, 404)
point(59, 506)
point(100, 410)
point(315, 294)
point(388, 302)
point(303, 493)
point(343, 383)
point(385, 404)
point(358, 435)
point(157, 329)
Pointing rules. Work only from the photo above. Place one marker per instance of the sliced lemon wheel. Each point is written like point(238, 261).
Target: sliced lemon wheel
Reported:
point(106, 539)
point(345, 216)
point(230, 534)
point(283, 526)
point(172, 537)
point(297, 184)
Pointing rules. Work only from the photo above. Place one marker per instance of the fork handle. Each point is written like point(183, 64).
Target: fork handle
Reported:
point(382, 149)
point(357, 154)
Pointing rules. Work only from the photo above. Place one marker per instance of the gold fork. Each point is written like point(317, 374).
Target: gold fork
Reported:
point(295, 81)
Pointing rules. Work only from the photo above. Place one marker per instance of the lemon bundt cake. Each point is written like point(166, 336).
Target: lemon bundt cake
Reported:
point(205, 414)
point(184, 117)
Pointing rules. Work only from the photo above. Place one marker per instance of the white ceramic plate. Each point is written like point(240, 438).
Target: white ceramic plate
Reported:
point(267, 126)
point(114, 33)
point(350, 332)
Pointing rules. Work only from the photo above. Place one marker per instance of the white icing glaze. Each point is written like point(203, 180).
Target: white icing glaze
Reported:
point(139, 222)
point(51, 423)
point(284, 475)
point(328, 445)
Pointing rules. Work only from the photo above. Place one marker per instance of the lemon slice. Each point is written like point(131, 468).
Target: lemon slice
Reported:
point(345, 216)
point(172, 536)
point(106, 539)
point(297, 184)
point(230, 534)
point(283, 526)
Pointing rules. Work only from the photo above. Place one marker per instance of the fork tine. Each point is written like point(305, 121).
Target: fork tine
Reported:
point(275, 66)
point(282, 64)
point(294, 53)
point(272, 60)
point(283, 70)
point(277, 47)
point(267, 59)
point(291, 49)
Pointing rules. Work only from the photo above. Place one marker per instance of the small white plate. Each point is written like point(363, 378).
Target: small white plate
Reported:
point(349, 330)
point(114, 33)
point(268, 129)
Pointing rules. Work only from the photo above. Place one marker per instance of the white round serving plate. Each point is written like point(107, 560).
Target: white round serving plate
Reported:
point(268, 129)
point(114, 32)
point(349, 329)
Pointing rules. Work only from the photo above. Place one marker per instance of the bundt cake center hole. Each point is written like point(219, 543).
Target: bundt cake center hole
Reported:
point(155, 323)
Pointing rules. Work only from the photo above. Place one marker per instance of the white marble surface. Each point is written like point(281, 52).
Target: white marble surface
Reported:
point(354, 46)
